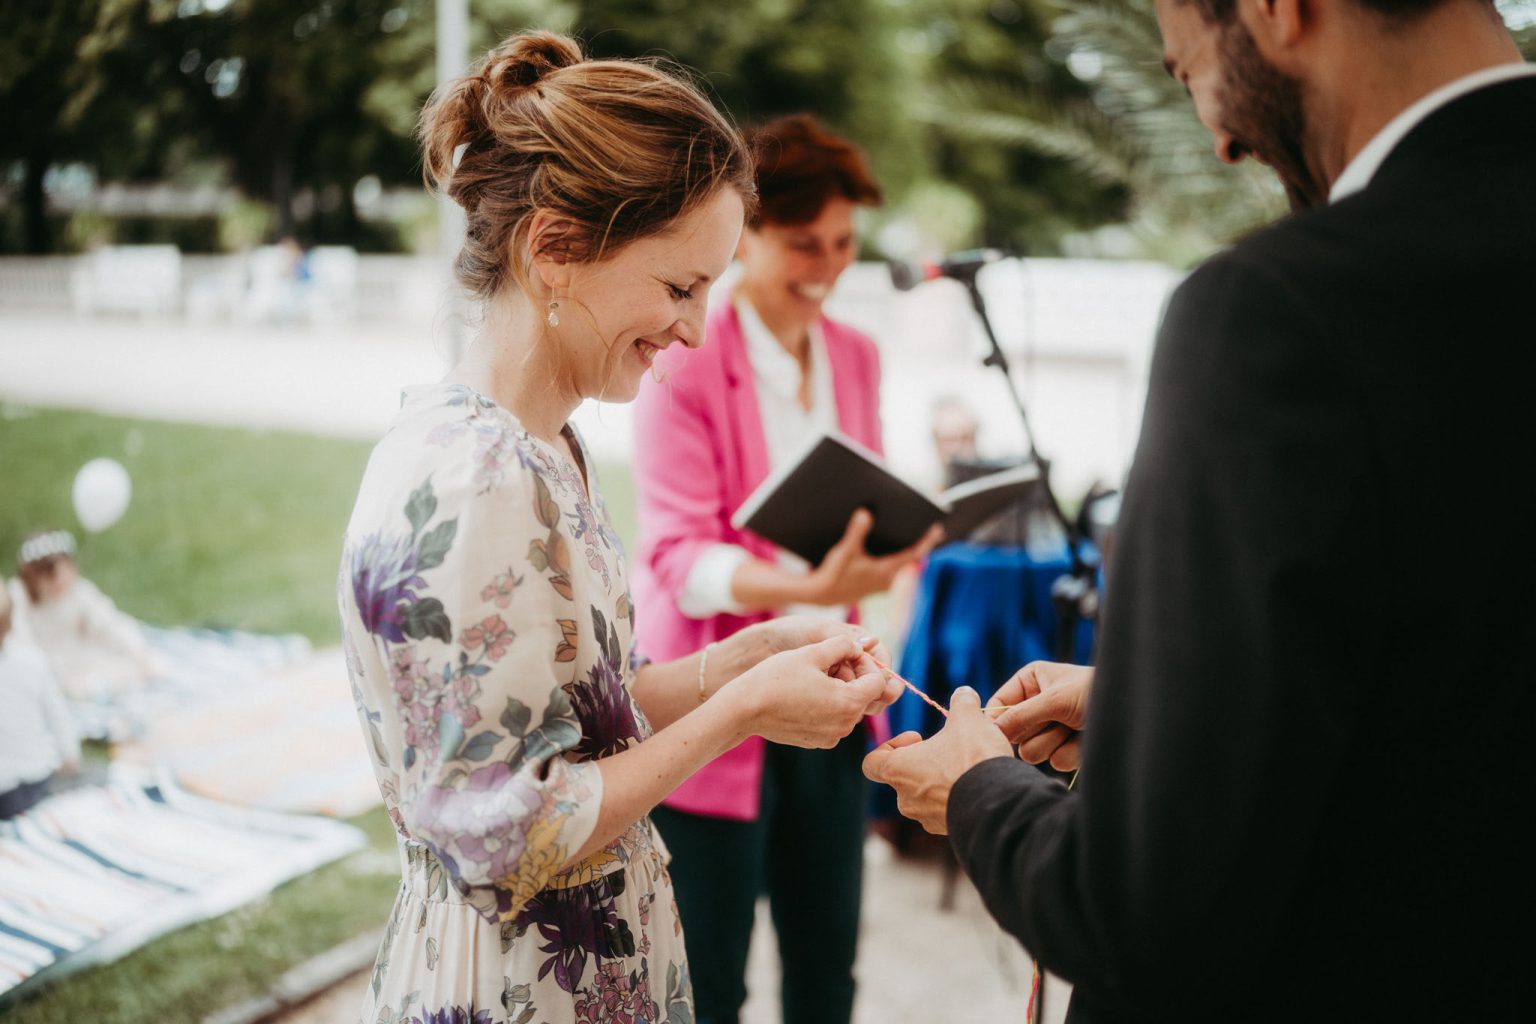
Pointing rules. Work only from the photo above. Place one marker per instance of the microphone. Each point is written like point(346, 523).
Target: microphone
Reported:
point(960, 266)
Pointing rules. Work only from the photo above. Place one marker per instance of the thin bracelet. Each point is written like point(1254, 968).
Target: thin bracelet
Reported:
point(703, 664)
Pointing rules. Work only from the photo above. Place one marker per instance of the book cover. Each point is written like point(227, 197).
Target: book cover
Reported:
point(972, 503)
point(805, 505)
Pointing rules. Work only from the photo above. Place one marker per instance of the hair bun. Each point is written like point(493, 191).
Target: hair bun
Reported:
point(523, 60)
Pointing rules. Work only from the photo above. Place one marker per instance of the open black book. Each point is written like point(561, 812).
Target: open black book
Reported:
point(804, 506)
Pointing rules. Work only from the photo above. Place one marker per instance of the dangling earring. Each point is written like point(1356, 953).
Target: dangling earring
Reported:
point(553, 319)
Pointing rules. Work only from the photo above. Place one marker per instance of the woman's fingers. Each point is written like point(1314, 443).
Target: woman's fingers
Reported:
point(888, 696)
point(828, 653)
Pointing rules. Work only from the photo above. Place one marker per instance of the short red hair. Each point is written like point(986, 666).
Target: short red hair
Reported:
point(800, 165)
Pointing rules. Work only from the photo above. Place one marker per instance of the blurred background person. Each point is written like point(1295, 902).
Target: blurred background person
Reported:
point(954, 427)
point(94, 649)
point(774, 372)
point(37, 737)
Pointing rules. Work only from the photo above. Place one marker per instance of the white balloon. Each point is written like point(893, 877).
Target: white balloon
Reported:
point(101, 494)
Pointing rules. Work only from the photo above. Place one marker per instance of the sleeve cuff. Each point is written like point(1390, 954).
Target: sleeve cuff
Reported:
point(707, 591)
point(985, 788)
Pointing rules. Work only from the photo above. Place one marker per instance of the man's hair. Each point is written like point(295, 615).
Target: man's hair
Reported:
point(1222, 12)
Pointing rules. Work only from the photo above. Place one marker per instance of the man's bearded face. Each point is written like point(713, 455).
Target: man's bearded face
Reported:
point(1264, 113)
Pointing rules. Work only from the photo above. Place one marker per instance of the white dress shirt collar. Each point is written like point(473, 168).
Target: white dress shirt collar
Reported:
point(787, 426)
point(1358, 174)
point(777, 372)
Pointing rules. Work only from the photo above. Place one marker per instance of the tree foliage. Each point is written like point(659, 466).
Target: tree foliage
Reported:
point(41, 120)
point(990, 61)
point(1128, 126)
point(1015, 123)
point(297, 99)
point(1132, 127)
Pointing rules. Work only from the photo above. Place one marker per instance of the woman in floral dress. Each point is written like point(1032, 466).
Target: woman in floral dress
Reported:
point(484, 597)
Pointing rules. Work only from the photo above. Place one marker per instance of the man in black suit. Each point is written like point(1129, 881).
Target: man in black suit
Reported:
point(1305, 757)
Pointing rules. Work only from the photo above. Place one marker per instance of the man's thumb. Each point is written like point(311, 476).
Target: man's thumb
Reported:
point(965, 700)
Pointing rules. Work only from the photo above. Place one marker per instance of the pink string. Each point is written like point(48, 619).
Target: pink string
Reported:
point(940, 708)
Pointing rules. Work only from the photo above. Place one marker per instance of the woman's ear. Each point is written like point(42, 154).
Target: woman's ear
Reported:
point(548, 250)
point(741, 243)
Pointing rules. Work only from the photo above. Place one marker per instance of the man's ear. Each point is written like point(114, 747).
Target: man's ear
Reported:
point(1278, 27)
point(549, 249)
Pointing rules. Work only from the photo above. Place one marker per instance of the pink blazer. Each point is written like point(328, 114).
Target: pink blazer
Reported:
point(699, 452)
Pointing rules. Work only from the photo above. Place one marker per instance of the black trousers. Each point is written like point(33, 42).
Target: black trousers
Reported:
point(805, 852)
point(24, 797)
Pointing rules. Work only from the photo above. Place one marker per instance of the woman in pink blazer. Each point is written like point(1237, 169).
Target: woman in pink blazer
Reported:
point(772, 373)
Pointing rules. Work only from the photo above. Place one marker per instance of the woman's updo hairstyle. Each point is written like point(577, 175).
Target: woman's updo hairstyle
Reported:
point(618, 149)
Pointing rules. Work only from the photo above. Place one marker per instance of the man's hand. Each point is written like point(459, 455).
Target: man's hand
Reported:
point(923, 771)
point(1048, 707)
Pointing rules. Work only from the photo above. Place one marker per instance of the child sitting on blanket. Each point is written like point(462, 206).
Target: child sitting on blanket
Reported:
point(37, 735)
point(96, 651)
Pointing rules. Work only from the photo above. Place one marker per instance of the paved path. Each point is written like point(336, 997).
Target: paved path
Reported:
point(344, 380)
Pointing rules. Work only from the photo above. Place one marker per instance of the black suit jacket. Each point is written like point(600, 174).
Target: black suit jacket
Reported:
point(1307, 771)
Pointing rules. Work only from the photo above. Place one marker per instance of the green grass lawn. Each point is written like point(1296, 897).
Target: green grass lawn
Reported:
point(226, 527)
point(231, 528)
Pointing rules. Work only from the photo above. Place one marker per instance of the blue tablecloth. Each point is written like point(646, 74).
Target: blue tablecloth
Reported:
point(981, 614)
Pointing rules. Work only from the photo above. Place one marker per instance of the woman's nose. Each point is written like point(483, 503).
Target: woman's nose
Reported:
point(690, 329)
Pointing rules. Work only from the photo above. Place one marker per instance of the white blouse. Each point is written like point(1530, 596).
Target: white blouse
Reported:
point(787, 429)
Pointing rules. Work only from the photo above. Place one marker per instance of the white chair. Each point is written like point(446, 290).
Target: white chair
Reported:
point(141, 279)
point(332, 283)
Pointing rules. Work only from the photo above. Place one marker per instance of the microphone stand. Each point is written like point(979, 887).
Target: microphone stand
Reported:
point(998, 359)
point(1074, 595)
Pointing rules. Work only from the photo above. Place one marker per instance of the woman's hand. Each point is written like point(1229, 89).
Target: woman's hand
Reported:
point(814, 695)
point(1048, 707)
point(752, 645)
point(788, 632)
point(849, 573)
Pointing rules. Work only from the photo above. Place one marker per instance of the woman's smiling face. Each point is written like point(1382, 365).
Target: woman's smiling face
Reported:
point(617, 314)
point(791, 268)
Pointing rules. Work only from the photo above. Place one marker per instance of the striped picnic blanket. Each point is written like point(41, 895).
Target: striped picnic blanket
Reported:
point(200, 665)
point(92, 873)
point(291, 743)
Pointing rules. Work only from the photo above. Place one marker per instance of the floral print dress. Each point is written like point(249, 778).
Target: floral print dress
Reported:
point(487, 625)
